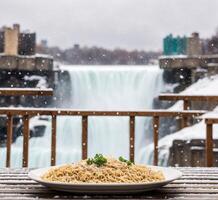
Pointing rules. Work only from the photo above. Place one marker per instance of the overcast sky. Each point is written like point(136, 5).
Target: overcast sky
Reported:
point(131, 24)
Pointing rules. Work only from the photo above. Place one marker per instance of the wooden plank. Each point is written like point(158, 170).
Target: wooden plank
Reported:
point(199, 178)
point(209, 145)
point(199, 173)
point(24, 190)
point(53, 139)
point(68, 196)
point(192, 185)
point(9, 139)
point(165, 190)
point(6, 174)
point(188, 190)
point(26, 91)
point(25, 140)
point(179, 183)
point(132, 138)
point(32, 185)
point(176, 97)
point(13, 172)
point(15, 182)
point(196, 181)
point(55, 111)
point(13, 178)
point(22, 186)
point(84, 137)
point(155, 136)
point(203, 169)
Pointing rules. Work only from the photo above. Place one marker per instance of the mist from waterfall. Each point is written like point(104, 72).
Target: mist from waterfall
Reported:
point(101, 88)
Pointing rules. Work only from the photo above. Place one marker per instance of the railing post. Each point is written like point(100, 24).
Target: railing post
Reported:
point(132, 138)
point(53, 139)
point(84, 136)
point(9, 139)
point(25, 140)
point(155, 136)
point(209, 145)
point(186, 106)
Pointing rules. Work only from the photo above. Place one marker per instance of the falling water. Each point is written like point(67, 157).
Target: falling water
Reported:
point(102, 88)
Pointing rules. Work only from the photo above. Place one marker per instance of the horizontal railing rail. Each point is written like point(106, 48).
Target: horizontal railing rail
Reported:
point(26, 91)
point(57, 111)
point(187, 98)
point(176, 97)
point(26, 113)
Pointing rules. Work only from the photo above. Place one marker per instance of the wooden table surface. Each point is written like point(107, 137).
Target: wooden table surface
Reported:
point(196, 183)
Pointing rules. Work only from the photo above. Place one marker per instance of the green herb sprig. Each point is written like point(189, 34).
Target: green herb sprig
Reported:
point(128, 162)
point(98, 160)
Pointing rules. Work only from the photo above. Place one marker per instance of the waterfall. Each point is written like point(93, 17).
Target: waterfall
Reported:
point(102, 88)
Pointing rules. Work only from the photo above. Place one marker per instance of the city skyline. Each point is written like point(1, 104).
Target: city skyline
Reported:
point(128, 24)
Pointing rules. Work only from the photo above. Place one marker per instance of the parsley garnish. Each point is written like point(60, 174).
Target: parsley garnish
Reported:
point(128, 162)
point(98, 160)
point(89, 161)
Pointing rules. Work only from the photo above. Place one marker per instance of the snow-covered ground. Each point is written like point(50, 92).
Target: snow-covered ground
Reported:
point(205, 86)
point(42, 83)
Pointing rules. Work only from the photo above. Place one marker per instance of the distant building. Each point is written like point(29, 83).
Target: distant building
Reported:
point(212, 45)
point(76, 46)
point(174, 45)
point(18, 51)
point(44, 43)
point(194, 46)
point(2, 39)
point(13, 42)
point(42, 47)
point(27, 44)
point(11, 39)
point(182, 45)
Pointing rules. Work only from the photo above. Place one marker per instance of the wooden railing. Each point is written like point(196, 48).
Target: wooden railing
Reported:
point(26, 113)
point(187, 99)
point(26, 91)
point(20, 92)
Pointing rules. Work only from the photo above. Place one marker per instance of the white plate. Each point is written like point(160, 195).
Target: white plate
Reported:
point(118, 188)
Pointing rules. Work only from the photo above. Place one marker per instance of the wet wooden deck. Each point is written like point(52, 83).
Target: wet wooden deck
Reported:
point(196, 183)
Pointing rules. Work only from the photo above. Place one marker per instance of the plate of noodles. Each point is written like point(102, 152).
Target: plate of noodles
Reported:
point(104, 175)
